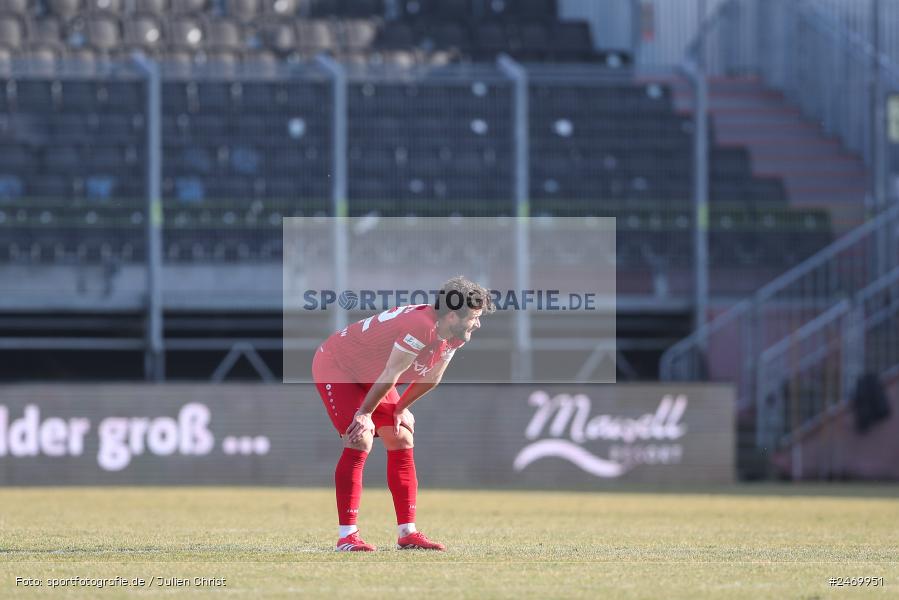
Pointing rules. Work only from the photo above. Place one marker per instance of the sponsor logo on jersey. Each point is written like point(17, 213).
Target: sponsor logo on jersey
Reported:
point(413, 342)
point(421, 369)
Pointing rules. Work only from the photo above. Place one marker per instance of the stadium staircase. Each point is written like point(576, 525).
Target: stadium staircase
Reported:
point(783, 143)
point(797, 348)
point(834, 447)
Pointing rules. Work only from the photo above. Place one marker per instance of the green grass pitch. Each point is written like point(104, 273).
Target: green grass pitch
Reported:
point(743, 542)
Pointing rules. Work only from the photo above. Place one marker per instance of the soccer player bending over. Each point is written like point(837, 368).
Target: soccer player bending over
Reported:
point(356, 372)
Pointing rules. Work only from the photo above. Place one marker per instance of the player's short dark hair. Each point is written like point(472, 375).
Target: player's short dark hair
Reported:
point(461, 294)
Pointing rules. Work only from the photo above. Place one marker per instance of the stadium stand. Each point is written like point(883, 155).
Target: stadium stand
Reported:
point(240, 153)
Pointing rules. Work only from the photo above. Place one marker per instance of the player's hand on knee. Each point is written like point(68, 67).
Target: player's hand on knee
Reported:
point(361, 423)
point(403, 417)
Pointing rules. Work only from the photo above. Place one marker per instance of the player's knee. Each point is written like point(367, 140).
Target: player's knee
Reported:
point(404, 440)
point(365, 444)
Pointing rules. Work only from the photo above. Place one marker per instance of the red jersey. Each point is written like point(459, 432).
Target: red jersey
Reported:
point(362, 348)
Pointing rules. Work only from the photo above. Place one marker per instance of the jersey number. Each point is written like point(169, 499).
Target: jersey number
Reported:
point(389, 314)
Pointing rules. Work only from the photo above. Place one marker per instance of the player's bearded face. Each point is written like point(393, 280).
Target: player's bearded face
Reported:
point(465, 325)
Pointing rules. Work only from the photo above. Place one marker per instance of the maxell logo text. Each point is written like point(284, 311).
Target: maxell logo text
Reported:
point(568, 416)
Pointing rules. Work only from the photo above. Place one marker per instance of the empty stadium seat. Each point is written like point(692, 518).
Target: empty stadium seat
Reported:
point(144, 31)
point(396, 34)
point(280, 37)
point(530, 41)
point(16, 158)
point(14, 7)
point(12, 32)
point(242, 10)
point(457, 10)
point(346, 8)
point(26, 128)
point(108, 6)
point(64, 9)
point(187, 7)
point(184, 33)
point(69, 127)
point(361, 8)
point(45, 31)
point(490, 39)
point(571, 40)
point(34, 95)
point(11, 186)
point(5, 62)
point(532, 9)
point(316, 35)
point(102, 33)
point(448, 35)
point(49, 186)
point(281, 8)
point(224, 35)
point(359, 34)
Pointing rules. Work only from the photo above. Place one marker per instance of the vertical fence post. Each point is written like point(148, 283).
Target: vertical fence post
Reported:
point(339, 204)
point(523, 367)
point(154, 355)
point(878, 138)
point(700, 198)
point(636, 29)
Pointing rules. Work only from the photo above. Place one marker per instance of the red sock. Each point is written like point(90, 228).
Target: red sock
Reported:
point(348, 483)
point(403, 484)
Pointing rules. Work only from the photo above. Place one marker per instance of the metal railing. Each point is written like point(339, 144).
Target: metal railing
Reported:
point(796, 48)
point(782, 306)
point(810, 373)
point(801, 50)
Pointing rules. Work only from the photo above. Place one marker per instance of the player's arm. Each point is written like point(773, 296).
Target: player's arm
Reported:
point(420, 387)
point(397, 363)
point(414, 391)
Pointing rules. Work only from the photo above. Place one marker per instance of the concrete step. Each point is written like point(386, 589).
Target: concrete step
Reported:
point(816, 169)
point(755, 111)
point(825, 183)
point(764, 119)
point(761, 99)
point(806, 194)
point(796, 152)
point(771, 124)
point(773, 138)
point(810, 166)
point(749, 82)
point(730, 102)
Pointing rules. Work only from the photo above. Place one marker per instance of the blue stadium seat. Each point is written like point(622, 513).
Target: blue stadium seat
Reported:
point(11, 186)
point(12, 32)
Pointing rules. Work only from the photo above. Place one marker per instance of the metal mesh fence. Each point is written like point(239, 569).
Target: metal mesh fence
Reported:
point(430, 142)
point(241, 150)
point(815, 368)
point(245, 146)
point(73, 176)
point(604, 145)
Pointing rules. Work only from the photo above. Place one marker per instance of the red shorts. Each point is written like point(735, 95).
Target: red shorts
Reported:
point(342, 398)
